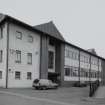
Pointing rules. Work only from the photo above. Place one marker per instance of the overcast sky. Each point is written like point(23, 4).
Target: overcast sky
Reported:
point(81, 22)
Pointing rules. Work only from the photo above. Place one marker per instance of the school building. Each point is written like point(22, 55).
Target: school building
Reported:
point(28, 53)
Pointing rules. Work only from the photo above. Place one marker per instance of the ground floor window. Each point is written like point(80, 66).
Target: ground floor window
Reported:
point(17, 75)
point(0, 74)
point(29, 75)
point(84, 72)
point(71, 71)
point(67, 71)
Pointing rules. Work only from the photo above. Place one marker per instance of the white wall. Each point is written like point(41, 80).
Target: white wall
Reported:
point(3, 46)
point(25, 47)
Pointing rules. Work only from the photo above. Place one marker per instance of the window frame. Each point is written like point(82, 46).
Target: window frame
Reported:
point(1, 55)
point(50, 61)
point(28, 59)
point(29, 77)
point(19, 76)
point(17, 35)
point(18, 55)
point(30, 40)
point(1, 74)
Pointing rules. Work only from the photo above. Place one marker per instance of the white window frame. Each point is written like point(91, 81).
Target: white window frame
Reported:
point(18, 35)
point(0, 74)
point(17, 76)
point(18, 56)
point(30, 39)
point(1, 55)
point(29, 75)
point(29, 58)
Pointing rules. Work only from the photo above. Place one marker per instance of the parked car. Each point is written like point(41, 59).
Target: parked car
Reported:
point(44, 84)
point(80, 84)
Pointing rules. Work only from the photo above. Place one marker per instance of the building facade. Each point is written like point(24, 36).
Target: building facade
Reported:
point(28, 53)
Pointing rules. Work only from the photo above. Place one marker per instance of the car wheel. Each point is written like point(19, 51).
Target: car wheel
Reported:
point(36, 88)
point(44, 88)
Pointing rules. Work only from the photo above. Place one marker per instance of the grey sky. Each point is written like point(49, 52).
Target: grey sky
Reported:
point(81, 22)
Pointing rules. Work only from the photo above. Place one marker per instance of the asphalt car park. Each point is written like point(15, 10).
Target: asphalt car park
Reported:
point(69, 95)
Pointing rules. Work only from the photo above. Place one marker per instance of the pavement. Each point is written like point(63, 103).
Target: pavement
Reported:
point(100, 93)
point(61, 96)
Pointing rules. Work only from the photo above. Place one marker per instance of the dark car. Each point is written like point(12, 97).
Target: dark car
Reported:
point(44, 84)
point(80, 84)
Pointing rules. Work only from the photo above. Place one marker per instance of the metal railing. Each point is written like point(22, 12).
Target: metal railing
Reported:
point(93, 87)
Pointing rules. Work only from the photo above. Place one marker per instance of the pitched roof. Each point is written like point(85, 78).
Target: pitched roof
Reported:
point(2, 17)
point(50, 29)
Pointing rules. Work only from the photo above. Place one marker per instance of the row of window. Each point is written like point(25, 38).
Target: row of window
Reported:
point(75, 55)
point(18, 75)
point(18, 57)
point(19, 36)
point(71, 54)
point(84, 59)
point(74, 72)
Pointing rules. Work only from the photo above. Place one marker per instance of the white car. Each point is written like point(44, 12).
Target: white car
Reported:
point(44, 84)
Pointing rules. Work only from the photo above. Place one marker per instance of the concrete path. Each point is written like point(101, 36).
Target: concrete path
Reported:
point(100, 93)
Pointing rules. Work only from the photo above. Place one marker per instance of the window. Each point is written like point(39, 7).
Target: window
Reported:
point(18, 35)
point(50, 60)
point(29, 74)
point(67, 71)
point(30, 39)
point(17, 75)
point(18, 56)
point(66, 53)
point(75, 71)
point(51, 42)
point(0, 74)
point(1, 55)
point(29, 57)
point(1, 33)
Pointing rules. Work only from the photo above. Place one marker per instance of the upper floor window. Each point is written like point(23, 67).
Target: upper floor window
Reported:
point(0, 74)
point(51, 42)
point(71, 54)
point(30, 38)
point(18, 35)
point(50, 60)
point(17, 75)
point(1, 55)
point(84, 58)
point(29, 75)
point(29, 56)
point(1, 32)
point(18, 56)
